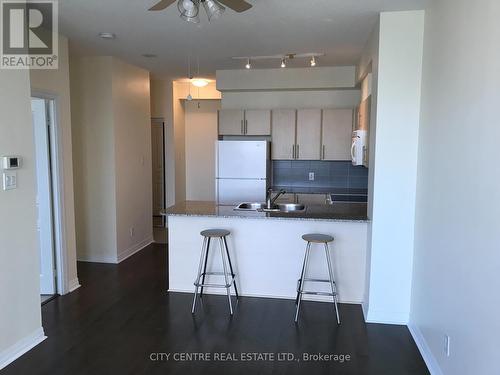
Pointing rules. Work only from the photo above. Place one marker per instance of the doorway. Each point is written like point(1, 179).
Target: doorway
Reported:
point(158, 173)
point(43, 118)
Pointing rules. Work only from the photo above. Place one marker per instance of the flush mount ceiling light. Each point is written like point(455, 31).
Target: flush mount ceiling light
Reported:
point(105, 35)
point(190, 9)
point(199, 82)
point(283, 58)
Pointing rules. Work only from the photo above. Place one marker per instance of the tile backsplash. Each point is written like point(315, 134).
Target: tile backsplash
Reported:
point(327, 174)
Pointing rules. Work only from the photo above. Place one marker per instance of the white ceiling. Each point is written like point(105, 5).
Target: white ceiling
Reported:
point(339, 28)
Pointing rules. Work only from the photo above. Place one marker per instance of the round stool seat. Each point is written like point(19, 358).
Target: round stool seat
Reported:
point(317, 238)
point(215, 233)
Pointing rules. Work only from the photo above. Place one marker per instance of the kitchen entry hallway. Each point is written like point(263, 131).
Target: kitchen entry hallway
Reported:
point(122, 321)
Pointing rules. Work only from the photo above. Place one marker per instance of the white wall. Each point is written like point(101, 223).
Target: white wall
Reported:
point(112, 143)
point(20, 318)
point(162, 107)
point(457, 258)
point(201, 135)
point(93, 145)
point(56, 82)
point(133, 173)
point(393, 159)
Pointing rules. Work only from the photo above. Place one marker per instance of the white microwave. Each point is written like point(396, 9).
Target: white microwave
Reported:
point(359, 149)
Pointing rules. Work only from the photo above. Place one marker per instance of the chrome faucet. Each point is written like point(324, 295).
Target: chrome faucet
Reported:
point(270, 201)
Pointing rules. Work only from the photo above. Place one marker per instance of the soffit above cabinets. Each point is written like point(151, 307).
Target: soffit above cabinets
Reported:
point(317, 78)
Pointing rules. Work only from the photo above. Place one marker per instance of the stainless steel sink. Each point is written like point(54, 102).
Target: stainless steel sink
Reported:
point(291, 207)
point(250, 206)
point(285, 207)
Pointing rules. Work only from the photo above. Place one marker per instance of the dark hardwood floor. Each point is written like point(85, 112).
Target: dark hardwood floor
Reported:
point(122, 314)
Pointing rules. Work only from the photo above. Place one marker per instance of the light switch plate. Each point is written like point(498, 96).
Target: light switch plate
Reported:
point(311, 176)
point(9, 180)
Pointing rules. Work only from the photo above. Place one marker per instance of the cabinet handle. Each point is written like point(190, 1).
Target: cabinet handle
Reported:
point(246, 126)
point(293, 151)
point(242, 128)
point(324, 153)
point(298, 152)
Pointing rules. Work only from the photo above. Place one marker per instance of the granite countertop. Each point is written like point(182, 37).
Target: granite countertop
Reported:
point(337, 212)
point(320, 190)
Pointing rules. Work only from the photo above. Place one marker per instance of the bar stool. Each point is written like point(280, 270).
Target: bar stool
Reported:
point(317, 239)
point(229, 277)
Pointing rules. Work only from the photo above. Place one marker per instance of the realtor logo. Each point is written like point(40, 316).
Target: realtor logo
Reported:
point(29, 34)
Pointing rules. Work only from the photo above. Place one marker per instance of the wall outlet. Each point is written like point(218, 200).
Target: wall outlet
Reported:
point(132, 232)
point(9, 180)
point(311, 176)
point(447, 345)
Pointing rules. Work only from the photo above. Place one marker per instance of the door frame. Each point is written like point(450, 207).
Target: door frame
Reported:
point(58, 212)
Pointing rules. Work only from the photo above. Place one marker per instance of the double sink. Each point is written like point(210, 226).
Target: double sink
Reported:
point(262, 207)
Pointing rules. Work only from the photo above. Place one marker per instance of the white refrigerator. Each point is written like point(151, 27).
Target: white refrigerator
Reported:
point(242, 171)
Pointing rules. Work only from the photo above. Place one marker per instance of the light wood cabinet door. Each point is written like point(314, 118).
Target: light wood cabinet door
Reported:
point(364, 114)
point(336, 134)
point(283, 134)
point(311, 199)
point(257, 122)
point(308, 134)
point(231, 122)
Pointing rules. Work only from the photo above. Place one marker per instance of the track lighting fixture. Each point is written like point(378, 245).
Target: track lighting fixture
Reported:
point(313, 61)
point(248, 65)
point(283, 62)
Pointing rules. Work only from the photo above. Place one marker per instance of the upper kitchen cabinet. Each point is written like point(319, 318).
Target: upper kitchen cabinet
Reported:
point(364, 114)
point(308, 145)
point(283, 134)
point(231, 122)
point(336, 134)
point(257, 122)
point(244, 122)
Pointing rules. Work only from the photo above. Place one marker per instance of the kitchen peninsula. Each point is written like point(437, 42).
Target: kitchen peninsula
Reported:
point(267, 249)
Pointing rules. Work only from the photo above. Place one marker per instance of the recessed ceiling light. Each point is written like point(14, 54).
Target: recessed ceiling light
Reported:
point(107, 35)
point(199, 82)
point(149, 55)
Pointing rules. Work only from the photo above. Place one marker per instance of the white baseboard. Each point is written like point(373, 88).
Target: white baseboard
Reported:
point(425, 351)
point(73, 285)
point(21, 347)
point(134, 249)
point(121, 256)
point(387, 317)
point(255, 295)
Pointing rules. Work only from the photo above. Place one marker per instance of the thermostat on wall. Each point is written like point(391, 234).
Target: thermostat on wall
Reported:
point(11, 162)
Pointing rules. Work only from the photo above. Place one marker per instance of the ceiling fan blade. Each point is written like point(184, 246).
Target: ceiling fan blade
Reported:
point(162, 4)
point(236, 5)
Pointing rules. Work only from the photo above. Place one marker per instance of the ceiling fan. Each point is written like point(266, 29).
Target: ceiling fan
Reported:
point(190, 9)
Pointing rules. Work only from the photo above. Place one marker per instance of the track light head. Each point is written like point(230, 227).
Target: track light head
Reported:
point(283, 62)
point(313, 61)
point(248, 64)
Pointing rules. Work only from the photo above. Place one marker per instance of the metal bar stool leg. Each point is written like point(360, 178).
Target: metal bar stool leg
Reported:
point(299, 285)
point(332, 281)
point(231, 267)
point(203, 250)
point(205, 267)
point(228, 288)
point(302, 276)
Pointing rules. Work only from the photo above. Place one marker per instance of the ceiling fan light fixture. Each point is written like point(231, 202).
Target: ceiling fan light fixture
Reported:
point(199, 82)
point(189, 10)
point(213, 8)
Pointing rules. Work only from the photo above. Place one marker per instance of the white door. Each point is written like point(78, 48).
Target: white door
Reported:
point(257, 122)
point(44, 197)
point(337, 134)
point(231, 122)
point(283, 134)
point(308, 134)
